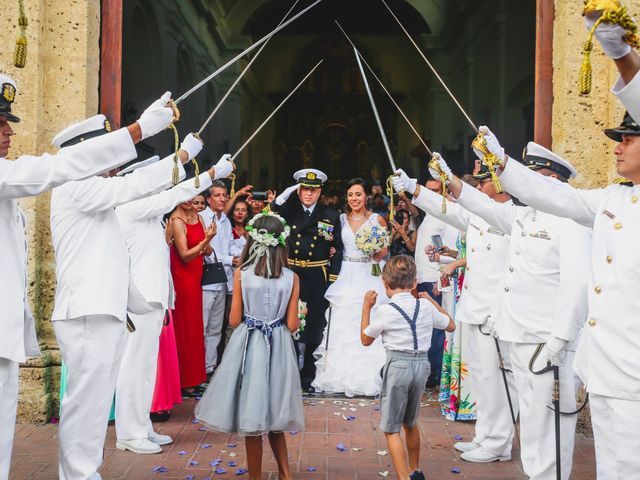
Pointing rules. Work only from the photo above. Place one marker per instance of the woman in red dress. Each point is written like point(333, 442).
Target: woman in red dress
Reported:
point(190, 243)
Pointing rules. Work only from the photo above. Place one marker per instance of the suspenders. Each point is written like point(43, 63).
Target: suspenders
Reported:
point(411, 322)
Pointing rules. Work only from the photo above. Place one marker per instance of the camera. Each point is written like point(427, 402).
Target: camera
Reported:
point(259, 196)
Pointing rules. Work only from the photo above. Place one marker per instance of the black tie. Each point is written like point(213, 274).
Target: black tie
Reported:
point(307, 213)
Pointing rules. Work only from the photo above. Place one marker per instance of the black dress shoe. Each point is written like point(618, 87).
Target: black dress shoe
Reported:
point(417, 475)
point(159, 416)
point(309, 389)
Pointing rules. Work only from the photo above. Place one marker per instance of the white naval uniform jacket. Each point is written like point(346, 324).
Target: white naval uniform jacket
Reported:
point(29, 176)
point(487, 251)
point(608, 356)
point(141, 225)
point(92, 260)
point(428, 271)
point(545, 282)
point(629, 94)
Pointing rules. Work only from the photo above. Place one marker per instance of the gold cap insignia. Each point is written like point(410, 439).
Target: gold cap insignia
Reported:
point(107, 126)
point(311, 176)
point(8, 92)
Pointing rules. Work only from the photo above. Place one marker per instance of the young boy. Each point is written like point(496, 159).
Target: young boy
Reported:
point(405, 324)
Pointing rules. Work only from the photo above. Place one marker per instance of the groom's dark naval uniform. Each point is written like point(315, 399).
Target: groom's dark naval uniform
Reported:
point(309, 257)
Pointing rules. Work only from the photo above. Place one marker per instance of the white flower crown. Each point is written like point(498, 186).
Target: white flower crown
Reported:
point(262, 236)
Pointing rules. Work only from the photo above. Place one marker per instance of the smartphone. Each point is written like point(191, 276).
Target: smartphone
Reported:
point(259, 195)
point(436, 240)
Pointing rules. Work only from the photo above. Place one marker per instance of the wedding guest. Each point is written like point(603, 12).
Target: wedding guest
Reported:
point(199, 202)
point(403, 238)
point(239, 219)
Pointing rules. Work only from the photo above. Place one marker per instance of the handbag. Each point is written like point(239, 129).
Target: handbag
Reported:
point(213, 273)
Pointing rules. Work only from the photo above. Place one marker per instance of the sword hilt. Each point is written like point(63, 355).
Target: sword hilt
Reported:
point(433, 163)
point(490, 160)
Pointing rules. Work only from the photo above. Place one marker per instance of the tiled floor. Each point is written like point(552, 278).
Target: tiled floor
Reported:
point(313, 453)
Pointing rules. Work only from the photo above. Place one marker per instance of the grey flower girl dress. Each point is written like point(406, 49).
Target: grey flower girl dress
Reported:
point(256, 388)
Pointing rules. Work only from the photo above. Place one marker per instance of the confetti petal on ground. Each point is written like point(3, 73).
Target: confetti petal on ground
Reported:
point(382, 453)
point(294, 432)
point(160, 469)
point(232, 454)
point(220, 471)
point(182, 452)
point(205, 445)
point(340, 446)
point(376, 409)
point(384, 474)
point(455, 470)
point(240, 471)
point(194, 421)
point(458, 437)
point(350, 418)
point(202, 429)
point(232, 464)
point(189, 477)
point(353, 409)
point(356, 449)
point(311, 469)
point(215, 463)
point(232, 445)
point(193, 463)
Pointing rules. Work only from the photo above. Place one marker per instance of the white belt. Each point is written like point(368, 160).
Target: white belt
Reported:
point(356, 259)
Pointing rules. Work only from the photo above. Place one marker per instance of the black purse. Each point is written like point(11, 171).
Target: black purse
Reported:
point(213, 273)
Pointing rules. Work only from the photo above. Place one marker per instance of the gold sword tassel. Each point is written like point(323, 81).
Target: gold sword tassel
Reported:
point(614, 13)
point(20, 53)
point(490, 160)
point(433, 163)
point(175, 175)
point(392, 209)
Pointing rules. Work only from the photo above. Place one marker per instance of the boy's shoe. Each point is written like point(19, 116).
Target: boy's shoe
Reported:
point(466, 446)
point(417, 475)
point(481, 455)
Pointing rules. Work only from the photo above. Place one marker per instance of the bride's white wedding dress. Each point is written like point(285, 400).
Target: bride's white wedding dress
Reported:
point(349, 367)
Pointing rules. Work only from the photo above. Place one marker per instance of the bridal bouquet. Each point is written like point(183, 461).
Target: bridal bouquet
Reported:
point(370, 240)
point(302, 316)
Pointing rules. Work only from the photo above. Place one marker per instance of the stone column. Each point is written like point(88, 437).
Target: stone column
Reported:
point(58, 86)
point(578, 120)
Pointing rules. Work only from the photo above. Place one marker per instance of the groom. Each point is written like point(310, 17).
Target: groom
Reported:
point(315, 231)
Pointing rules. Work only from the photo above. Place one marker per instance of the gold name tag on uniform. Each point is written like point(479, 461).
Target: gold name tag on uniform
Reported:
point(542, 234)
point(608, 214)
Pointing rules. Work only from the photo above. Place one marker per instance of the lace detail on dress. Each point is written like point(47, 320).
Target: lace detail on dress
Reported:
point(349, 236)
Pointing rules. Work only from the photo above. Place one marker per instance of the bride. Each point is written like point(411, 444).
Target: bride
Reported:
point(347, 366)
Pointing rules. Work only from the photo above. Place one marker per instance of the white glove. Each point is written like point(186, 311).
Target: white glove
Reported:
point(493, 145)
point(402, 182)
point(192, 145)
point(489, 327)
point(284, 196)
point(156, 117)
point(552, 349)
point(609, 36)
point(443, 166)
point(224, 167)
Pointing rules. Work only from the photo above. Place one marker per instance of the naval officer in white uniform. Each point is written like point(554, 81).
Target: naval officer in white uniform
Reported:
point(487, 252)
point(141, 225)
point(93, 293)
point(29, 176)
point(544, 302)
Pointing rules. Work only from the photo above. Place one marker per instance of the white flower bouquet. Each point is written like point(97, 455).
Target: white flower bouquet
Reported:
point(370, 240)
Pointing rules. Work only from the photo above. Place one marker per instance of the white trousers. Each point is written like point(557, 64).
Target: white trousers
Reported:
point(137, 376)
point(494, 426)
point(91, 347)
point(213, 305)
point(615, 432)
point(537, 430)
point(8, 407)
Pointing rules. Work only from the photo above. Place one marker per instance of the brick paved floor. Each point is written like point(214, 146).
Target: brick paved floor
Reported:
point(327, 425)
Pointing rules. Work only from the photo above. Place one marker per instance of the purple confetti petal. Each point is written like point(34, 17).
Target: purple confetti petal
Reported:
point(202, 429)
point(193, 463)
point(458, 437)
point(220, 471)
point(232, 464)
point(455, 470)
point(160, 469)
point(189, 477)
point(376, 409)
point(182, 452)
point(215, 463)
point(205, 445)
point(194, 421)
point(240, 471)
point(294, 432)
point(232, 445)
point(351, 418)
point(340, 446)
point(311, 469)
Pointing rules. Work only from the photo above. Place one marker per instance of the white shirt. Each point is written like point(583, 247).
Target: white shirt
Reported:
point(141, 225)
point(220, 244)
point(430, 271)
point(92, 259)
point(545, 282)
point(29, 176)
point(487, 253)
point(396, 331)
point(607, 359)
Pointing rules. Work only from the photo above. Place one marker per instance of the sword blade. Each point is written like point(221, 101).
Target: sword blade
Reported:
point(375, 111)
point(453, 97)
point(226, 95)
point(247, 50)
point(274, 112)
point(386, 91)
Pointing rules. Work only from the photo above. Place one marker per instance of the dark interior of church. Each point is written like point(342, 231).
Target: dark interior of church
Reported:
point(483, 50)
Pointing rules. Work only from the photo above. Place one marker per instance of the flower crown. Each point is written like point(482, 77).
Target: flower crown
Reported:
point(262, 236)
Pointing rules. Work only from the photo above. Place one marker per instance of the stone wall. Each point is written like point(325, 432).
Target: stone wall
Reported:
point(58, 86)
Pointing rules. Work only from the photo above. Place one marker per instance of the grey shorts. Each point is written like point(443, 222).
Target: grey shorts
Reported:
point(404, 377)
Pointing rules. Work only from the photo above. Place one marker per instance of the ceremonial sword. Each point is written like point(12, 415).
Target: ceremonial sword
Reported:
point(243, 53)
point(274, 111)
point(233, 85)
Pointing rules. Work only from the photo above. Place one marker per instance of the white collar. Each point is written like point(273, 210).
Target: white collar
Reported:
point(309, 209)
point(401, 295)
point(213, 214)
